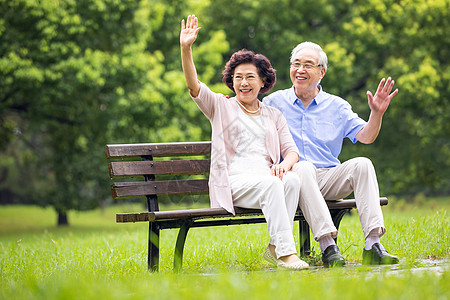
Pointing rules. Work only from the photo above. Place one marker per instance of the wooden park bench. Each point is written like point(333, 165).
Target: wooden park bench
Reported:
point(176, 169)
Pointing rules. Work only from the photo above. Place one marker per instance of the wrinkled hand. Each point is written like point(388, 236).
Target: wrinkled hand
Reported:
point(189, 33)
point(380, 102)
point(278, 170)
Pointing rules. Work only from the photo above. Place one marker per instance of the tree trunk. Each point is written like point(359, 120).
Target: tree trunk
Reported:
point(62, 219)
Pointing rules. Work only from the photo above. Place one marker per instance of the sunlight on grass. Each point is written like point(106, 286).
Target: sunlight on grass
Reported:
point(95, 257)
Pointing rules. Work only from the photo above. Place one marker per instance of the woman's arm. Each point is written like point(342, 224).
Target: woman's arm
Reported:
point(188, 35)
point(288, 149)
point(280, 169)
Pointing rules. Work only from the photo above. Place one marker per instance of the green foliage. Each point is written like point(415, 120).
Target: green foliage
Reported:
point(75, 75)
point(366, 41)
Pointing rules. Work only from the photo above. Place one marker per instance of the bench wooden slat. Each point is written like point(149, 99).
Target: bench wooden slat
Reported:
point(349, 203)
point(183, 214)
point(144, 188)
point(157, 149)
point(215, 212)
point(166, 167)
point(132, 217)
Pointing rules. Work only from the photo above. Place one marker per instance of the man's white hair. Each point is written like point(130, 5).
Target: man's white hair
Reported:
point(323, 60)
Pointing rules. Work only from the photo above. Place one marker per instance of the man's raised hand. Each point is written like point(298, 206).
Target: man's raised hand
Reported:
point(380, 102)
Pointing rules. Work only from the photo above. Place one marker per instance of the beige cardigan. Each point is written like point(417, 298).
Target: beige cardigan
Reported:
point(223, 115)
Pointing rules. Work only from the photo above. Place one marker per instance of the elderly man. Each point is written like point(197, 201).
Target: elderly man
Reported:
point(319, 122)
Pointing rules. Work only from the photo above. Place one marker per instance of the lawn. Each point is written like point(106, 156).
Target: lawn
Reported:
point(95, 257)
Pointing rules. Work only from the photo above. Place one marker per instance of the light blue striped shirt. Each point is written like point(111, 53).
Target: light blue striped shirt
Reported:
point(318, 130)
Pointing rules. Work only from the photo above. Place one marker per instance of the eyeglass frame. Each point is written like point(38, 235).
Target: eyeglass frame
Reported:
point(306, 66)
point(240, 78)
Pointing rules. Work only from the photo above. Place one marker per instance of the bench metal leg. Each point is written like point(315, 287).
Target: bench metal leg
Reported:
point(179, 247)
point(153, 247)
point(305, 242)
point(304, 230)
point(337, 215)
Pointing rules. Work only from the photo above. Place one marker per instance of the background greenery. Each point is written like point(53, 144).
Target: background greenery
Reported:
point(78, 74)
point(96, 258)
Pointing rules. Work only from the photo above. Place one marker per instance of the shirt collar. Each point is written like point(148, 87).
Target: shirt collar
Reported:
point(319, 98)
point(292, 95)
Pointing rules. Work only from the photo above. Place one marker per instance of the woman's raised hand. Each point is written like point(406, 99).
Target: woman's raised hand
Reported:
point(189, 33)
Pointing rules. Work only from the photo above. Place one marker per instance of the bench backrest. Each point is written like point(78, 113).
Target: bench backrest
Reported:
point(143, 169)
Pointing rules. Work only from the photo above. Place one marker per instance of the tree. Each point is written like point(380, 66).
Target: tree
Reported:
point(76, 75)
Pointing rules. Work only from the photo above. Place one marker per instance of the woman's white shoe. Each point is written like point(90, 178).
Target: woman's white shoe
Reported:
point(296, 266)
point(269, 256)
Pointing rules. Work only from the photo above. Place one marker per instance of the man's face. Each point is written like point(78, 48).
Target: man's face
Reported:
point(306, 78)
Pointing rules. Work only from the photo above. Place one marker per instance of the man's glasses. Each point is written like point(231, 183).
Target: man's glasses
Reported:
point(306, 66)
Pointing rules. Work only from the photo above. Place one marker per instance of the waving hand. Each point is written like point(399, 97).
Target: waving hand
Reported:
point(189, 33)
point(380, 102)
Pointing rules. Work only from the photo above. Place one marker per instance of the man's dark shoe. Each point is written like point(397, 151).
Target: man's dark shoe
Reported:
point(377, 255)
point(332, 258)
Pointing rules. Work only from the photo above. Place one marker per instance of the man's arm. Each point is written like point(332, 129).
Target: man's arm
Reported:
point(378, 105)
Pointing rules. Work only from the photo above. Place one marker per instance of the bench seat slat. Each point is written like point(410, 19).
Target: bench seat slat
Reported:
point(157, 149)
point(215, 212)
point(183, 214)
point(166, 167)
point(145, 188)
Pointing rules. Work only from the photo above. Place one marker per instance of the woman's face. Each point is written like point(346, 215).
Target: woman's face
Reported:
point(246, 82)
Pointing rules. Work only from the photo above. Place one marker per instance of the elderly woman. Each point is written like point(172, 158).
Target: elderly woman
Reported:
point(247, 141)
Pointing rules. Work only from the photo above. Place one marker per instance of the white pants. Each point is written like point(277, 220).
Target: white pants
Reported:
point(278, 200)
point(355, 175)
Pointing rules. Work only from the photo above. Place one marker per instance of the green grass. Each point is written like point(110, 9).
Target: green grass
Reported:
point(95, 257)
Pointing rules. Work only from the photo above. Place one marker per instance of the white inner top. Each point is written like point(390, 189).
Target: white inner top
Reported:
point(251, 154)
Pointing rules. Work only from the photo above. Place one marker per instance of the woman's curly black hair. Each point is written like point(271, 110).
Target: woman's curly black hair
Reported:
point(265, 70)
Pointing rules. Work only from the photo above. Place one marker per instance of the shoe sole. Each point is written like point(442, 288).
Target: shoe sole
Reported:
point(379, 263)
point(298, 266)
point(337, 264)
point(367, 261)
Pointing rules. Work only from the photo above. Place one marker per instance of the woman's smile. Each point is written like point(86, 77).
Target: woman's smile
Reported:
point(247, 85)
